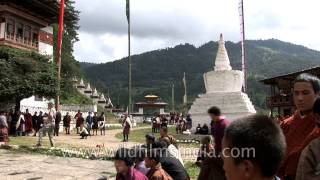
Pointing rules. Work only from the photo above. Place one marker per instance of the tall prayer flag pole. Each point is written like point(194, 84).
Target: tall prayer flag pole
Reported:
point(243, 59)
point(172, 97)
point(185, 100)
point(129, 55)
point(59, 49)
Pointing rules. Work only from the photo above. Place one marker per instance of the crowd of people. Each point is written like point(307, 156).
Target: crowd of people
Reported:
point(283, 148)
point(48, 123)
point(286, 149)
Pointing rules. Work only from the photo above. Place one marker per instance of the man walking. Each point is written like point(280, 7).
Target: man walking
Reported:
point(48, 124)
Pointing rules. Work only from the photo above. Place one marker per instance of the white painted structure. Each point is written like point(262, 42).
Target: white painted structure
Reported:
point(223, 89)
point(44, 47)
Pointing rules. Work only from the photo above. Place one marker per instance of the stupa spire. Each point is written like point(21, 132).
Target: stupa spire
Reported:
point(222, 62)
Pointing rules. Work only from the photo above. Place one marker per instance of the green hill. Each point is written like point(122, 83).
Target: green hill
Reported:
point(154, 71)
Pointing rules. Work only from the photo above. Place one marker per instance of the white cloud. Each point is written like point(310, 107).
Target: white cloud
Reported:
point(164, 23)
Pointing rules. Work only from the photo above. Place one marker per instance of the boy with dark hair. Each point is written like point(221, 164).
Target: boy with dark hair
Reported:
point(218, 125)
point(212, 166)
point(123, 163)
point(299, 126)
point(152, 161)
point(253, 149)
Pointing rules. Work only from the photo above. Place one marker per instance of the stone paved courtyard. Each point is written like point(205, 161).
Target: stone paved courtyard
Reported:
point(16, 166)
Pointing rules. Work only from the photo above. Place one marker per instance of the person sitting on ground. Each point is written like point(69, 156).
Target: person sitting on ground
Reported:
point(205, 150)
point(171, 164)
point(164, 133)
point(187, 132)
point(174, 152)
point(198, 129)
point(124, 166)
point(83, 132)
point(205, 129)
point(309, 163)
point(152, 161)
point(264, 143)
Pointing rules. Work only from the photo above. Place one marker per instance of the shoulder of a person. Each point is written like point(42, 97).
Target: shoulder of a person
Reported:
point(287, 122)
point(314, 145)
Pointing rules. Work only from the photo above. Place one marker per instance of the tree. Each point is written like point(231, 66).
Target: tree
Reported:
point(25, 73)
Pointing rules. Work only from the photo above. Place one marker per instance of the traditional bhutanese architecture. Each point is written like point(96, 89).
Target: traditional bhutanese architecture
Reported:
point(27, 25)
point(102, 99)
point(151, 102)
point(280, 101)
point(88, 90)
point(81, 85)
point(95, 94)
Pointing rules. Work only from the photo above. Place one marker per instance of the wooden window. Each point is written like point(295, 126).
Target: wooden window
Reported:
point(35, 37)
point(27, 34)
point(10, 27)
point(19, 30)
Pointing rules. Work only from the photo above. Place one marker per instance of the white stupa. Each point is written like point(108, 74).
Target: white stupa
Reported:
point(88, 90)
point(95, 94)
point(223, 89)
point(102, 99)
point(81, 85)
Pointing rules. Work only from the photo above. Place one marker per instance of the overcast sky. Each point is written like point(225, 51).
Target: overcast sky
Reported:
point(165, 23)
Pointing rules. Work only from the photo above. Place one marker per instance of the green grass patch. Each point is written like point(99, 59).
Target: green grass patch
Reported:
point(138, 135)
point(192, 169)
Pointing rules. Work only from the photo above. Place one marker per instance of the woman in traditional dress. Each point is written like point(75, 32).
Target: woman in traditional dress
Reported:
point(126, 128)
point(3, 129)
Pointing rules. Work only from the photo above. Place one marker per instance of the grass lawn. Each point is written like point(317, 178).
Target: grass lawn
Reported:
point(192, 169)
point(30, 141)
point(139, 134)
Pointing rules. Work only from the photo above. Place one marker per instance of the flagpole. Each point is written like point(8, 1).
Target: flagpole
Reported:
point(59, 49)
point(185, 99)
point(243, 58)
point(172, 97)
point(129, 58)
